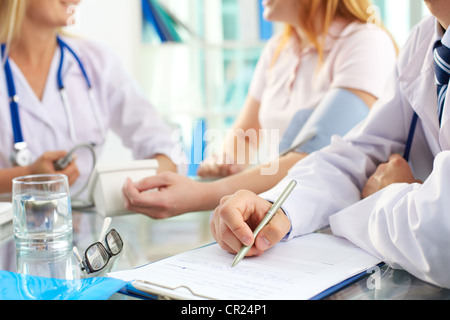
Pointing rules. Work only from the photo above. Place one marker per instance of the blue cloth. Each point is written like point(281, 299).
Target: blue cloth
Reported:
point(339, 111)
point(16, 286)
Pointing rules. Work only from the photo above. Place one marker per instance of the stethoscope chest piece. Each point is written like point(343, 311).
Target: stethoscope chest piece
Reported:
point(21, 155)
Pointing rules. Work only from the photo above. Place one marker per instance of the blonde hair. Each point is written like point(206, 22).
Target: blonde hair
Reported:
point(12, 13)
point(326, 11)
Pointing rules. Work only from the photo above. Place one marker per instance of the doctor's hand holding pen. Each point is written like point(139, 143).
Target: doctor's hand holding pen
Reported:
point(238, 215)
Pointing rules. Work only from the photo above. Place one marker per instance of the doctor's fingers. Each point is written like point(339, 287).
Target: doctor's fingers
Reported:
point(227, 239)
point(157, 181)
point(53, 155)
point(273, 232)
point(239, 214)
point(72, 173)
point(222, 233)
point(153, 204)
point(45, 163)
point(152, 212)
point(136, 198)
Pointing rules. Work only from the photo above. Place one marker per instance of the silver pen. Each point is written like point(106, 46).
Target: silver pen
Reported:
point(241, 254)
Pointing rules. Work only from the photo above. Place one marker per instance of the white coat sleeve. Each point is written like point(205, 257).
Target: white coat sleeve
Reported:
point(332, 178)
point(406, 225)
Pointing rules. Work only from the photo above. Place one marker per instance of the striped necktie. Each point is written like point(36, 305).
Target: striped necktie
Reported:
point(442, 69)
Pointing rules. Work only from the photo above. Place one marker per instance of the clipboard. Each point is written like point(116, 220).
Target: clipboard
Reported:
point(160, 292)
point(330, 264)
point(156, 292)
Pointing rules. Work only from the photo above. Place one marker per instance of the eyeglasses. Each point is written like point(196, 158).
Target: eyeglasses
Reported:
point(97, 256)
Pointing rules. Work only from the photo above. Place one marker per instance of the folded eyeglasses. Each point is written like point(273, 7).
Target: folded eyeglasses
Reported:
point(97, 256)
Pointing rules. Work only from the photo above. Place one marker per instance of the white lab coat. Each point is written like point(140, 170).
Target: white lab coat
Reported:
point(123, 108)
point(406, 225)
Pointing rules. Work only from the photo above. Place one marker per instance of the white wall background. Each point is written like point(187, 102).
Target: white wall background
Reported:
point(116, 23)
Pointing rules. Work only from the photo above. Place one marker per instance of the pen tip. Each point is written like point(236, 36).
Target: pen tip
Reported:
point(236, 261)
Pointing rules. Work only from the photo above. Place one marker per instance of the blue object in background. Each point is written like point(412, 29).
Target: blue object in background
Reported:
point(295, 126)
point(152, 15)
point(17, 286)
point(149, 17)
point(196, 154)
point(339, 112)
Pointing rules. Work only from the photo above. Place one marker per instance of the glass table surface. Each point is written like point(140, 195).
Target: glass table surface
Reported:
point(147, 240)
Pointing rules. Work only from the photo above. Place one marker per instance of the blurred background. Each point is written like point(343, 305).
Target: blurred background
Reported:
point(194, 59)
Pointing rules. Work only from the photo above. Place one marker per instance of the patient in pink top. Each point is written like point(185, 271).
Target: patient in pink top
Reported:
point(321, 75)
point(300, 66)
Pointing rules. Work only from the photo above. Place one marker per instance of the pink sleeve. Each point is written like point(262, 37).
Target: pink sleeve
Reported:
point(262, 69)
point(364, 61)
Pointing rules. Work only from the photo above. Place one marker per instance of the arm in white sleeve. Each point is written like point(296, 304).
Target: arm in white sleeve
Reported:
point(332, 178)
point(322, 187)
point(405, 225)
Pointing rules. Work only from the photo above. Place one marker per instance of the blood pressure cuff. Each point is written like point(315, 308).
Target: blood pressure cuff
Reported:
point(16, 286)
point(338, 113)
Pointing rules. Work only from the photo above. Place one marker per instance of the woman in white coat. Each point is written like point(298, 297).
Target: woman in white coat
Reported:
point(34, 56)
point(362, 186)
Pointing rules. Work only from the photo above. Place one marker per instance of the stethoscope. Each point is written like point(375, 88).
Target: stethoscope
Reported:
point(22, 155)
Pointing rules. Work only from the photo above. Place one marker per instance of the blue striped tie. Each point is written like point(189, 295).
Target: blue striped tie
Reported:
point(442, 69)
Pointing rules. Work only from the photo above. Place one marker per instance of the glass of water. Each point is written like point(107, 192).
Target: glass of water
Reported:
point(42, 214)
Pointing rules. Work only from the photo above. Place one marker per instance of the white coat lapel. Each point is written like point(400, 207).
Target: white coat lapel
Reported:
point(417, 84)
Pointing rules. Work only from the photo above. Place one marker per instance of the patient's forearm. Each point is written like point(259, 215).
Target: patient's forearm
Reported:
point(252, 179)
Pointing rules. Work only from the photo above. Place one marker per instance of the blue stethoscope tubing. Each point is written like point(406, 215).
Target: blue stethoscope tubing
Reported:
point(13, 98)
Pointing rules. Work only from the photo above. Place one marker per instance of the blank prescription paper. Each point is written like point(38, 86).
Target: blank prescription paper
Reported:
point(298, 269)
